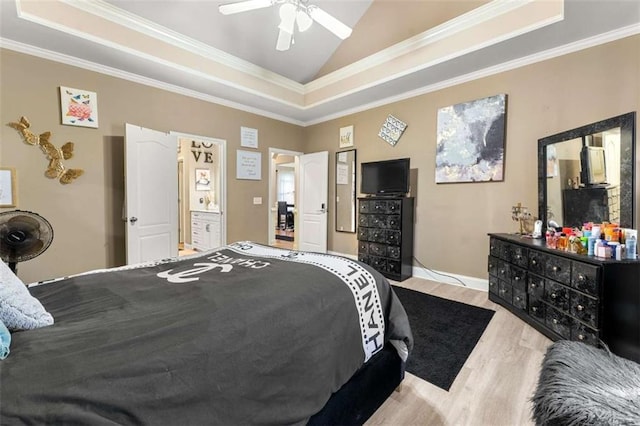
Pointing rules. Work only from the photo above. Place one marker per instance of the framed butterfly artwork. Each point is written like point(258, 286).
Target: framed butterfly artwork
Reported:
point(78, 107)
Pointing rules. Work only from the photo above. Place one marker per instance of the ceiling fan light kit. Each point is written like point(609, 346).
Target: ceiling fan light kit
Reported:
point(291, 12)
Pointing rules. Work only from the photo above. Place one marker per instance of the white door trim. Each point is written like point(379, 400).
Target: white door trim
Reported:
point(271, 236)
point(223, 174)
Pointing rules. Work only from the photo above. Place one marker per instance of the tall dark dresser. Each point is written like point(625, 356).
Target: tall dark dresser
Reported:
point(385, 235)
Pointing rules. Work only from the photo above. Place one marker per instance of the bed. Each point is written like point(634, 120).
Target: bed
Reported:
point(244, 334)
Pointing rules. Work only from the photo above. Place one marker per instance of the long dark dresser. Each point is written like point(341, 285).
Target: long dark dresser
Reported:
point(565, 295)
point(385, 235)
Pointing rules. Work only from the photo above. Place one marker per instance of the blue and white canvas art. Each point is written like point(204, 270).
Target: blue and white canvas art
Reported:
point(470, 141)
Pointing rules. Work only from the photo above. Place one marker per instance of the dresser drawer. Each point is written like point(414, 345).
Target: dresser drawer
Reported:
point(536, 309)
point(363, 247)
point(378, 263)
point(585, 277)
point(584, 308)
point(518, 278)
point(378, 221)
point(494, 286)
point(557, 295)
point(393, 206)
point(366, 206)
point(394, 221)
point(536, 262)
point(517, 255)
point(363, 234)
point(519, 298)
point(505, 291)
point(497, 248)
point(558, 269)
point(582, 333)
point(363, 219)
point(393, 237)
point(393, 252)
point(535, 286)
point(377, 249)
point(492, 265)
point(558, 322)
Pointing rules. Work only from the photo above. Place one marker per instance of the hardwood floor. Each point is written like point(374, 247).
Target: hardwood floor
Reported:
point(495, 384)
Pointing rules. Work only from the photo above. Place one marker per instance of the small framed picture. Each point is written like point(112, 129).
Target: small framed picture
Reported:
point(346, 137)
point(8, 195)
point(78, 107)
point(203, 179)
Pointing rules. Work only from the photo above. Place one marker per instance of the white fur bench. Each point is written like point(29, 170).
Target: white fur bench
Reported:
point(583, 385)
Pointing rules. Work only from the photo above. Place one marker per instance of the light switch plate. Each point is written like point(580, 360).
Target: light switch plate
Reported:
point(257, 200)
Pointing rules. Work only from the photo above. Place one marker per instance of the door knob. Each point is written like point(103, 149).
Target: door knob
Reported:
point(133, 219)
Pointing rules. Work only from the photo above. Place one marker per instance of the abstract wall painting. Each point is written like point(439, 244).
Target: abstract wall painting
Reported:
point(471, 141)
point(78, 107)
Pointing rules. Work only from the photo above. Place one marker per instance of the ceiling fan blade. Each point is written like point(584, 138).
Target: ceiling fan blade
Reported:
point(243, 6)
point(329, 22)
point(284, 41)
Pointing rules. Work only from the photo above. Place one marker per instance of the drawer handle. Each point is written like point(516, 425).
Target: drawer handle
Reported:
point(534, 309)
point(553, 295)
point(580, 307)
point(502, 271)
point(581, 277)
point(491, 284)
point(555, 269)
point(503, 291)
point(533, 285)
point(517, 278)
point(517, 298)
point(534, 262)
point(518, 257)
point(580, 336)
point(555, 321)
point(491, 266)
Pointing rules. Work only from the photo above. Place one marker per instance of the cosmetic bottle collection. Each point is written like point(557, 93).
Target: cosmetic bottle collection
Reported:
point(606, 240)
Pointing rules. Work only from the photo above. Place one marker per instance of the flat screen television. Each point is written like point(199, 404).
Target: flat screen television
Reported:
point(593, 165)
point(388, 177)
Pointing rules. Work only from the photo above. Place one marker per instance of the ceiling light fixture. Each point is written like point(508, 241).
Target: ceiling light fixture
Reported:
point(291, 12)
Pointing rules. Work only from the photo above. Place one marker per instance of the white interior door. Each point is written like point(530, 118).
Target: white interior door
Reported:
point(151, 206)
point(313, 174)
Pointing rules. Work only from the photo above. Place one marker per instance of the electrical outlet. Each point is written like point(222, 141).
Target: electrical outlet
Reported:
point(257, 200)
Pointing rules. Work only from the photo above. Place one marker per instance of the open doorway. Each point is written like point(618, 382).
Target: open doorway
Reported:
point(282, 196)
point(202, 193)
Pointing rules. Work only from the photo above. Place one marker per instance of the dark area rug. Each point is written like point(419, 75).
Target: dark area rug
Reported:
point(445, 332)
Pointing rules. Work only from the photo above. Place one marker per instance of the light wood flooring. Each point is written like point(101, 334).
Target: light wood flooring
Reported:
point(495, 384)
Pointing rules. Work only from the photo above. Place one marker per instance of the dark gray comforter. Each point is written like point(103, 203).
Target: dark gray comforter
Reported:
point(246, 334)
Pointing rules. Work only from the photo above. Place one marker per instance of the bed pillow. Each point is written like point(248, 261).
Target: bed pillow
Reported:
point(5, 341)
point(19, 310)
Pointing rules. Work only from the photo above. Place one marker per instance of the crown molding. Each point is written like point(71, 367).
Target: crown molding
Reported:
point(586, 43)
point(460, 23)
point(135, 78)
point(136, 23)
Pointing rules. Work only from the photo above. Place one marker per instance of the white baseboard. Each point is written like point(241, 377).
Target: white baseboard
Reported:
point(449, 278)
point(438, 276)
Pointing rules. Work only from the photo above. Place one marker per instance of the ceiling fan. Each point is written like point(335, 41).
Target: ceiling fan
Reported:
point(292, 12)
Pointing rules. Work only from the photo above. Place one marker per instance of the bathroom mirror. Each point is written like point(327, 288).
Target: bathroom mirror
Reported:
point(587, 174)
point(346, 191)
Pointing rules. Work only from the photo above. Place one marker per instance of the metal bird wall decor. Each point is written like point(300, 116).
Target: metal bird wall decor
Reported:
point(56, 169)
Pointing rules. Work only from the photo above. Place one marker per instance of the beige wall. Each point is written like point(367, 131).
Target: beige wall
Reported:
point(86, 215)
point(451, 220)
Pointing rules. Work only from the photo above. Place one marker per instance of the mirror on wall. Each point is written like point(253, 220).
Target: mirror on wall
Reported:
point(587, 174)
point(346, 191)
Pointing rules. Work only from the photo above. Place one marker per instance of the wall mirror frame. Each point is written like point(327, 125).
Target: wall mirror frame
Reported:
point(345, 191)
point(627, 155)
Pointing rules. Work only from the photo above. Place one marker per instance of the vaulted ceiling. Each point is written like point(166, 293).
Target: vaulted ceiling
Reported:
point(398, 48)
